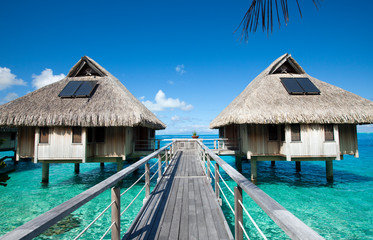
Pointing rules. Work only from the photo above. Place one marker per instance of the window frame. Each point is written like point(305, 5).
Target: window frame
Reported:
point(296, 132)
point(45, 139)
point(76, 133)
point(328, 133)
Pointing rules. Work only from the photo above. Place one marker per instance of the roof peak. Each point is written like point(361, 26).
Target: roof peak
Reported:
point(87, 67)
point(285, 64)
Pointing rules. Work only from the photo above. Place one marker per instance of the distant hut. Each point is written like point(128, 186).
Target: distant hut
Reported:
point(89, 116)
point(285, 114)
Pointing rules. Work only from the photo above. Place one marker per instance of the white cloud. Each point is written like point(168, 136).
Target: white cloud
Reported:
point(162, 103)
point(46, 77)
point(10, 97)
point(8, 79)
point(180, 69)
point(171, 82)
point(175, 118)
point(142, 98)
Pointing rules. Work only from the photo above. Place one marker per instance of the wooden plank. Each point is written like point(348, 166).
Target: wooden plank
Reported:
point(193, 234)
point(201, 222)
point(184, 231)
point(176, 217)
point(212, 233)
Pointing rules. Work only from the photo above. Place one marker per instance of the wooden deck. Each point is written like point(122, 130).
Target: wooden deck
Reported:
point(183, 206)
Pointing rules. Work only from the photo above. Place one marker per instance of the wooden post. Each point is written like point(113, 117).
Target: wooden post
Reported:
point(147, 181)
point(36, 144)
point(214, 144)
point(238, 213)
point(329, 170)
point(115, 213)
point(297, 166)
point(119, 165)
point(102, 164)
point(77, 168)
point(336, 139)
point(238, 163)
point(217, 179)
point(45, 173)
point(208, 169)
point(288, 142)
point(159, 144)
point(159, 167)
point(166, 153)
point(253, 171)
point(273, 163)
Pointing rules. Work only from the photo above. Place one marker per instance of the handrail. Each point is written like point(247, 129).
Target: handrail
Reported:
point(41, 223)
point(289, 223)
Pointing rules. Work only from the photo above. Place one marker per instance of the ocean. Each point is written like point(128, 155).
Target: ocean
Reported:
point(339, 210)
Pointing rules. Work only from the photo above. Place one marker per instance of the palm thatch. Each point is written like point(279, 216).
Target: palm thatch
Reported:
point(266, 101)
point(264, 12)
point(111, 105)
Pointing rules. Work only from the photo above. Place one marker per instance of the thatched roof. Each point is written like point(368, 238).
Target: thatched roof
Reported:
point(266, 101)
point(110, 105)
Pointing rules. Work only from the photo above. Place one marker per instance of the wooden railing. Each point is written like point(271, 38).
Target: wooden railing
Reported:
point(290, 224)
point(41, 223)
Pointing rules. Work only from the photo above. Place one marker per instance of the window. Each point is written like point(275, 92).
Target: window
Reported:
point(272, 132)
point(44, 135)
point(77, 135)
point(90, 135)
point(13, 136)
point(295, 132)
point(329, 132)
point(282, 131)
point(100, 134)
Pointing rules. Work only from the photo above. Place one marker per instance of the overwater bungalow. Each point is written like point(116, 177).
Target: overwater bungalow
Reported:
point(284, 114)
point(89, 116)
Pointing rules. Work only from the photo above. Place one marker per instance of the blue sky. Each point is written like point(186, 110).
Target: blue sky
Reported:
point(182, 58)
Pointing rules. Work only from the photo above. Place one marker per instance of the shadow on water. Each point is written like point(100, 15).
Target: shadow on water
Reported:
point(311, 175)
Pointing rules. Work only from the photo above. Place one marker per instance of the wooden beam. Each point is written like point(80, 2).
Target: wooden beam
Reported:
point(288, 142)
point(45, 173)
point(115, 213)
point(329, 170)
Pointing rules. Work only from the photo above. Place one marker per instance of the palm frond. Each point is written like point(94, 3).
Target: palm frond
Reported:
point(263, 11)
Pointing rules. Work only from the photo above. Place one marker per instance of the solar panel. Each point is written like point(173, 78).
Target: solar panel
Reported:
point(308, 86)
point(299, 86)
point(85, 89)
point(292, 86)
point(70, 89)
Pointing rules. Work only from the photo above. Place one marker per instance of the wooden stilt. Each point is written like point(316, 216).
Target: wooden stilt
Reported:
point(119, 165)
point(45, 173)
point(77, 168)
point(102, 164)
point(297, 166)
point(329, 170)
point(273, 163)
point(253, 171)
point(239, 163)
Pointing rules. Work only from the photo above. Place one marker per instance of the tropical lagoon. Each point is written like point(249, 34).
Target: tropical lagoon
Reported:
point(338, 210)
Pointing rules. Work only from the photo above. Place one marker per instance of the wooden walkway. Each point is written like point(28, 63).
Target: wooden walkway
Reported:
point(182, 206)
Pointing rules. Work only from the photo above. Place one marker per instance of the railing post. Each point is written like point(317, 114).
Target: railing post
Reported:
point(147, 182)
point(115, 213)
point(238, 214)
point(159, 144)
point(166, 153)
point(159, 167)
point(214, 144)
point(208, 169)
point(217, 191)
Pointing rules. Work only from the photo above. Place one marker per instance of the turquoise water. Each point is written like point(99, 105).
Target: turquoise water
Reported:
point(339, 210)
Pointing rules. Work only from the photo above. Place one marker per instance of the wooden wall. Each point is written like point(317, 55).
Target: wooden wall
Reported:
point(60, 146)
point(26, 142)
point(114, 144)
point(255, 140)
point(348, 139)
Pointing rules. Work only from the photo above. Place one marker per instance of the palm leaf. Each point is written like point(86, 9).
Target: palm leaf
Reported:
point(263, 11)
